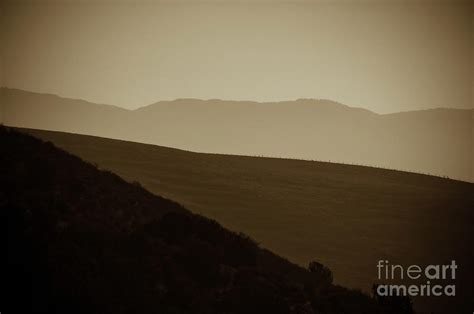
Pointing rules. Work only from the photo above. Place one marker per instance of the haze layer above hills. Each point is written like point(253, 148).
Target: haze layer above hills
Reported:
point(347, 217)
point(437, 141)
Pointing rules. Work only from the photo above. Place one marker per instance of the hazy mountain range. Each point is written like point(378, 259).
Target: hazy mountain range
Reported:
point(437, 141)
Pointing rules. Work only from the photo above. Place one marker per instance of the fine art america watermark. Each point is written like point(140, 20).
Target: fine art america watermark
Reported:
point(434, 279)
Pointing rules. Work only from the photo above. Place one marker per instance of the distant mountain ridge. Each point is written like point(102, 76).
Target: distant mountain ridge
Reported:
point(436, 141)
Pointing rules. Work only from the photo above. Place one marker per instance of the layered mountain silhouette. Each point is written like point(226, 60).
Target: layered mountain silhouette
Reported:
point(81, 240)
point(437, 141)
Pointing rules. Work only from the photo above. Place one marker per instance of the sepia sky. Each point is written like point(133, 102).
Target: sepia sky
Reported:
point(386, 56)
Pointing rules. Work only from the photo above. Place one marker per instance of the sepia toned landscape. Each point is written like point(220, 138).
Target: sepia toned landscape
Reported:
point(237, 157)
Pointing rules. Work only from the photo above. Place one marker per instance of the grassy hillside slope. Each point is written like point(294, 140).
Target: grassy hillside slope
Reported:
point(347, 217)
point(80, 240)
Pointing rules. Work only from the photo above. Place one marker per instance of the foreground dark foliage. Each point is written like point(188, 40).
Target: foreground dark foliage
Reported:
point(80, 240)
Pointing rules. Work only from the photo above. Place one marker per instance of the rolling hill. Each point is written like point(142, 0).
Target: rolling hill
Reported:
point(438, 141)
point(81, 240)
point(348, 217)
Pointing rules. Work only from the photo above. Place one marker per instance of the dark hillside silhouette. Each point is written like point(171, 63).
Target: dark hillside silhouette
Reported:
point(80, 240)
point(346, 217)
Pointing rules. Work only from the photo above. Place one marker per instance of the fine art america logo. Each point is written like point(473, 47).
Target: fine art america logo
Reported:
point(434, 279)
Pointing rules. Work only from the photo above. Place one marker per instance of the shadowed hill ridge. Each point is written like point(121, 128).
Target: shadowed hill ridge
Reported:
point(347, 217)
point(80, 240)
point(437, 142)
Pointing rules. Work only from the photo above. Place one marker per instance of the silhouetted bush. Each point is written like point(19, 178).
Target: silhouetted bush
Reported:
point(396, 304)
point(322, 273)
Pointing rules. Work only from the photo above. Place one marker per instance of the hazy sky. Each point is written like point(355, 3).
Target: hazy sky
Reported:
point(386, 56)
